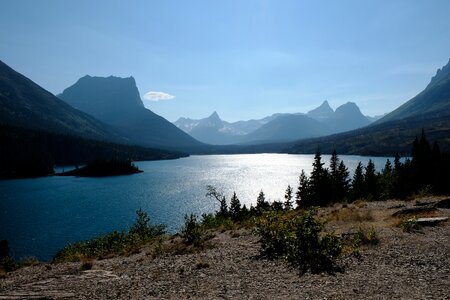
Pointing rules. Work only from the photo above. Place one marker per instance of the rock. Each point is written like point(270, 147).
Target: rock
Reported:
point(414, 210)
point(445, 203)
point(430, 221)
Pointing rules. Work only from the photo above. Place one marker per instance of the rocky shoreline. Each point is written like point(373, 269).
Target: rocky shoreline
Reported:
point(402, 266)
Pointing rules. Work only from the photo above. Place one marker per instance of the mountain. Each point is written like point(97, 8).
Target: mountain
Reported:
point(375, 118)
point(286, 128)
point(429, 110)
point(25, 104)
point(211, 130)
point(38, 130)
point(214, 130)
point(347, 117)
point(321, 113)
point(434, 99)
point(320, 121)
point(116, 101)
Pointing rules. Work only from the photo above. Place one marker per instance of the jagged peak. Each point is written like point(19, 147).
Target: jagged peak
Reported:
point(214, 115)
point(323, 108)
point(441, 73)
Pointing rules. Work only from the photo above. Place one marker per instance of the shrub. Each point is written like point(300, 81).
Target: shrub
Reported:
point(193, 232)
point(365, 236)
point(298, 239)
point(143, 228)
point(409, 225)
point(210, 221)
point(115, 243)
point(7, 264)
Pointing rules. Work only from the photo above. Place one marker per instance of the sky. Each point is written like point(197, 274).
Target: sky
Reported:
point(245, 59)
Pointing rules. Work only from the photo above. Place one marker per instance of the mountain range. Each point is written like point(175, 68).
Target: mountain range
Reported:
point(280, 127)
point(102, 117)
point(394, 133)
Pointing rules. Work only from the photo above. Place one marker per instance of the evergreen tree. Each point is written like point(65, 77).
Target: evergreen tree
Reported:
point(223, 210)
point(370, 180)
point(235, 207)
point(343, 181)
point(339, 178)
point(358, 190)
point(319, 182)
point(245, 212)
point(397, 164)
point(261, 202)
point(288, 197)
point(386, 181)
point(421, 163)
point(277, 205)
point(303, 194)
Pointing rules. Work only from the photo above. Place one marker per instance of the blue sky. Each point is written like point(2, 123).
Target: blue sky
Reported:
point(243, 58)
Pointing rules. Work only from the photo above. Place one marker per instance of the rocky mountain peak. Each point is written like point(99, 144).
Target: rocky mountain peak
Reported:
point(441, 74)
point(322, 112)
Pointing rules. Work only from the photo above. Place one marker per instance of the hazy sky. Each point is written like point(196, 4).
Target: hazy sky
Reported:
point(243, 58)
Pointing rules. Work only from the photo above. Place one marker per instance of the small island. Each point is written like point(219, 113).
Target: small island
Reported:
point(103, 168)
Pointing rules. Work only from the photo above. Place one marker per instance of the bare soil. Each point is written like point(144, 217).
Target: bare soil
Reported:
point(402, 266)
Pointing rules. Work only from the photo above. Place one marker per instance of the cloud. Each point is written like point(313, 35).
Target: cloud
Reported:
point(157, 96)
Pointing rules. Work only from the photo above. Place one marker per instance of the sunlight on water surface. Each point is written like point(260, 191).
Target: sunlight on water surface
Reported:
point(39, 216)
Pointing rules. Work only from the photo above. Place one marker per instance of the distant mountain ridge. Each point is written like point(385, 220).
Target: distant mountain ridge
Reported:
point(116, 101)
point(278, 127)
point(214, 130)
point(429, 110)
point(435, 98)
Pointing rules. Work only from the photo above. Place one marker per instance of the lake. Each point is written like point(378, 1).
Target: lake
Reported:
point(40, 216)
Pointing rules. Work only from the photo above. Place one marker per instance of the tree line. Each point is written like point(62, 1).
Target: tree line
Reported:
point(426, 171)
point(34, 153)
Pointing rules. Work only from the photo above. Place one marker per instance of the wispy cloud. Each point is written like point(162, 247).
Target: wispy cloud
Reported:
point(158, 96)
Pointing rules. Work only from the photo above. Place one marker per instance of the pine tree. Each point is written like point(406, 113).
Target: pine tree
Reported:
point(334, 165)
point(288, 197)
point(235, 207)
point(343, 181)
point(303, 194)
point(261, 203)
point(370, 180)
point(223, 210)
point(358, 190)
point(386, 181)
point(319, 182)
point(339, 178)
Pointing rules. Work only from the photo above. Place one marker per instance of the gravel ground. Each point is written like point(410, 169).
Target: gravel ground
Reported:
point(402, 266)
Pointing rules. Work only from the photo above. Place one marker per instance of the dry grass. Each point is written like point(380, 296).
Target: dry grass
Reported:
point(351, 214)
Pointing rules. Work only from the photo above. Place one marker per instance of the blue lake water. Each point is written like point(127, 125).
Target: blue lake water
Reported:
point(40, 216)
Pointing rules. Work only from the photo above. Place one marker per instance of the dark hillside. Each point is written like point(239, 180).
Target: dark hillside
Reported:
point(33, 153)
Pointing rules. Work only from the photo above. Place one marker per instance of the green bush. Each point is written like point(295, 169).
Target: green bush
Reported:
point(144, 229)
point(298, 239)
point(364, 237)
point(409, 225)
point(115, 243)
point(193, 231)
